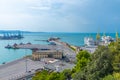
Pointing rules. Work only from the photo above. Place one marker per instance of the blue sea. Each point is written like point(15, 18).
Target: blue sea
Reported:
point(7, 55)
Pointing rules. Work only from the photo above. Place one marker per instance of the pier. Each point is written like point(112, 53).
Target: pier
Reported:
point(17, 69)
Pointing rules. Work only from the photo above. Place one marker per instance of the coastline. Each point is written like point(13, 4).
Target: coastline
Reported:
point(76, 39)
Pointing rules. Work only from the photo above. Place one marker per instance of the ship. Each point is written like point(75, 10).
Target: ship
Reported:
point(88, 41)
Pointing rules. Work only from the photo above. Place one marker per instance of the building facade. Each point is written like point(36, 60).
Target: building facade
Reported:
point(38, 54)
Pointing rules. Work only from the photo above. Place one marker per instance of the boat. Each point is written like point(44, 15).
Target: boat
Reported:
point(21, 43)
point(4, 63)
point(8, 46)
point(28, 43)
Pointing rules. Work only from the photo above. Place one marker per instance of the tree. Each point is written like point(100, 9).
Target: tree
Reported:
point(54, 76)
point(41, 75)
point(99, 67)
point(117, 36)
point(109, 77)
point(115, 49)
point(83, 57)
point(67, 73)
point(98, 36)
point(114, 76)
point(46, 75)
point(101, 64)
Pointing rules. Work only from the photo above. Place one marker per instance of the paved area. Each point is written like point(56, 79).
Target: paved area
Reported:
point(59, 66)
point(39, 46)
point(17, 68)
point(89, 49)
point(69, 53)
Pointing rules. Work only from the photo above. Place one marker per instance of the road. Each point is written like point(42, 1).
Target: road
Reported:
point(17, 68)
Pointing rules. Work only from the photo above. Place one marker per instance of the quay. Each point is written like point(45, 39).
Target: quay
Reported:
point(26, 67)
point(62, 46)
point(35, 46)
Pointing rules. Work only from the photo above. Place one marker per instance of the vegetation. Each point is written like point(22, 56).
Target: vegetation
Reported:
point(98, 36)
point(82, 58)
point(103, 64)
point(46, 75)
point(117, 36)
point(73, 48)
point(114, 76)
point(99, 66)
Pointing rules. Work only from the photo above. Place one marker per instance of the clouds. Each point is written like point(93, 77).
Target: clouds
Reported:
point(58, 15)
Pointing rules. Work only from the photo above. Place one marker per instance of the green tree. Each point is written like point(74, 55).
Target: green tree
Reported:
point(46, 75)
point(114, 76)
point(98, 36)
point(109, 77)
point(115, 49)
point(54, 76)
point(99, 67)
point(67, 73)
point(41, 75)
point(101, 64)
point(83, 57)
point(117, 36)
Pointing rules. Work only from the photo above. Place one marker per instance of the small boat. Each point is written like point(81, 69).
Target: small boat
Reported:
point(52, 43)
point(28, 43)
point(15, 46)
point(21, 43)
point(4, 63)
point(8, 46)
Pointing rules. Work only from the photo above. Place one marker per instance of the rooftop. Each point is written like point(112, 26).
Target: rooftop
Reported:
point(47, 51)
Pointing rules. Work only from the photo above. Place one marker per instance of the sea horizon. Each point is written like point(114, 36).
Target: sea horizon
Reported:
point(27, 31)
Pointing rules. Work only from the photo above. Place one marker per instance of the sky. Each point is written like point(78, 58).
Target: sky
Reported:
point(60, 15)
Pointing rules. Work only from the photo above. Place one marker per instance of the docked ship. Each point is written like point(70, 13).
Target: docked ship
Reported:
point(11, 36)
point(53, 39)
point(107, 39)
point(88, 41)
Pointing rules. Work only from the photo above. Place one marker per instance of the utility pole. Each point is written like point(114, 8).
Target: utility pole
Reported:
point(26, 60)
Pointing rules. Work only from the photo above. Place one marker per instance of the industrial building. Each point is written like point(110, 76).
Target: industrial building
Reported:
point(46, 53)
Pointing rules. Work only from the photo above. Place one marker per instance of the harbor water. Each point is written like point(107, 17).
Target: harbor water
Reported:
point(7, 55)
